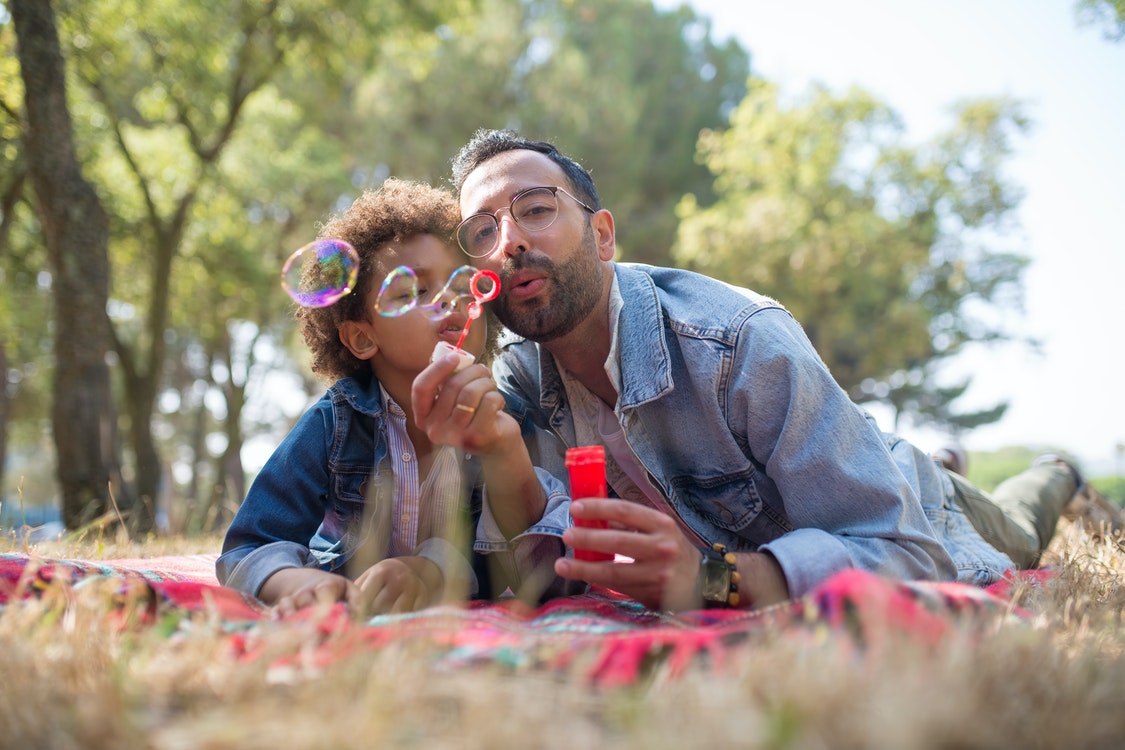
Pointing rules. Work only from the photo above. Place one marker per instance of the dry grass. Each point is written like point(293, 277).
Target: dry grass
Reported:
point(73, 680)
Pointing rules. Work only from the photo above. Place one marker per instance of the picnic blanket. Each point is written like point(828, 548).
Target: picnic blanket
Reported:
point(604, 636)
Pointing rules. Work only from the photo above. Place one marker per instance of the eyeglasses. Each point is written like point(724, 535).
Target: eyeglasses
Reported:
point(533, 209)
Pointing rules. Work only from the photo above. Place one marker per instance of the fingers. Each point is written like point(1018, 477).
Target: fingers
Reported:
point(391, 587)
point(428, 385)
point(462, 411)
point(437, 390)
point(326, 591)
point(393, 600)
point(639, 546)
point(611, 527)
point(664, 564)
point(624, 514)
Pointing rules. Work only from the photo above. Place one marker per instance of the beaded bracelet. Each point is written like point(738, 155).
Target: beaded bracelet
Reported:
point(733, 597)
point(718, 577)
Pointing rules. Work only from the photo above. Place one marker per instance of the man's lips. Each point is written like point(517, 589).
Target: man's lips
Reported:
point(524, 284)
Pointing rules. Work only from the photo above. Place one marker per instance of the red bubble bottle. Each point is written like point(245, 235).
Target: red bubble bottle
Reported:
point(586, 466)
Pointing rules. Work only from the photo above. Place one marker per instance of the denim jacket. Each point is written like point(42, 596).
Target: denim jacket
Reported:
point(739, 423)
point(306, 508)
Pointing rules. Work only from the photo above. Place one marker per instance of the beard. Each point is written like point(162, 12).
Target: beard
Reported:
point(573, 289)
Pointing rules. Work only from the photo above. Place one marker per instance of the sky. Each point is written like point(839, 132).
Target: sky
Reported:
point(920, 58)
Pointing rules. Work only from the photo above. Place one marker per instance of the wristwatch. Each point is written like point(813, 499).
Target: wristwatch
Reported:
point(718, 577)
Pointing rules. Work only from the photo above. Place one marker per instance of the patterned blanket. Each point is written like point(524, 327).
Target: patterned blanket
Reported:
point(601, 635)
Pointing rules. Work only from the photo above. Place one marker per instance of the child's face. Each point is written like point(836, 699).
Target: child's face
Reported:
point(407, 341)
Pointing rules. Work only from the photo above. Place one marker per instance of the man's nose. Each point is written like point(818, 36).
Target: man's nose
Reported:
point(510, 237)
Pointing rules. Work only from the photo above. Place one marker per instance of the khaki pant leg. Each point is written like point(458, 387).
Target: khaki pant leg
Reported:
point(1019, 518)
point(1035, 499)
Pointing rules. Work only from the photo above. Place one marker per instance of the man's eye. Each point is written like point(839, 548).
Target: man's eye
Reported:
point(535, 209)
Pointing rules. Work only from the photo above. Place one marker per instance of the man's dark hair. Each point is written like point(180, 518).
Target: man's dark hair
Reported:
point(486, 144)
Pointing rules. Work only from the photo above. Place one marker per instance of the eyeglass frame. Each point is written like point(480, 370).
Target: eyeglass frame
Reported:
point(494, 215)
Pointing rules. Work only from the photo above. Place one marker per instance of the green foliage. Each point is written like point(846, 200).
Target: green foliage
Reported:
point(218, 138)
point(1108, 14)
point(886, 253)
point(622, 87)
point(24, 305)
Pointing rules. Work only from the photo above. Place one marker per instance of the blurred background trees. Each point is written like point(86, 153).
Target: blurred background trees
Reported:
point(217, 140)
point(886, 253)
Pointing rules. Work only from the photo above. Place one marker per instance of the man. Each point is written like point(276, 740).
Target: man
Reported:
point(723, 428)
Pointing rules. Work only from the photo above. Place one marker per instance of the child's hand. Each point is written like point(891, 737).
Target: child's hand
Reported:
point(291, 589)
point(463, 409)
point(398, 584)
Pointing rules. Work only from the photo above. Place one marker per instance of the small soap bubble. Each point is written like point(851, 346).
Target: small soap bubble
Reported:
point(398, 293)
point(457, 292)
point(468, 287)
point(320, 273)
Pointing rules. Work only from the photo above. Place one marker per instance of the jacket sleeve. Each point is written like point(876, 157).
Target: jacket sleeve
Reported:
point(849, 504)
point(283, 508)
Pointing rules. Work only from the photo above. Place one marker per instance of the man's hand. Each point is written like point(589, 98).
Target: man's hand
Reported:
point(665, 564)
point(665, 568)
point(462, 409)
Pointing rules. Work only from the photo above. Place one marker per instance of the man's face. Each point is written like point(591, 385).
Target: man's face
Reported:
point(550, 279)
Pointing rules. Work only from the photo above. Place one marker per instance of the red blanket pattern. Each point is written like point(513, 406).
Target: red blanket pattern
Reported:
point(605, 637)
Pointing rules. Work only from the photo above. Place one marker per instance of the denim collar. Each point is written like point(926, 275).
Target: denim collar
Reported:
point(638, 344)
point(363, 394)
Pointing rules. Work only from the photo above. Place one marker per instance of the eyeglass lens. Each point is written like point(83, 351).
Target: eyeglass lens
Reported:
point(534, 210)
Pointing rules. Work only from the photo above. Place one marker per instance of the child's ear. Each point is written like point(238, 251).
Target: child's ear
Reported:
point(359, 338)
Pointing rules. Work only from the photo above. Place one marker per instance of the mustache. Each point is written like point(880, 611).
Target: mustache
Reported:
point(524, 262)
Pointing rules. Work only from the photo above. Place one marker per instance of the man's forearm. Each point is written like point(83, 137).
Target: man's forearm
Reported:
point(515, 495)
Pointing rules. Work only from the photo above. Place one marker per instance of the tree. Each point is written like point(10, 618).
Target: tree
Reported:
point(218, 137)
point(1109, 14)
point(166, 87)
point(620, 85)
point(75, 227)
point(886, 254)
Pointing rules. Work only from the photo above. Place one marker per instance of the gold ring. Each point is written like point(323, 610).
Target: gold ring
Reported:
point(462, 407)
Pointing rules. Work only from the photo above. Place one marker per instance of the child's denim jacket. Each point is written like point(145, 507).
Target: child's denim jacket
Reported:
point(309, 506)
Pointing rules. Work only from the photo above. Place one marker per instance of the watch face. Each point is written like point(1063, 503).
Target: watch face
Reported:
point(716, 579)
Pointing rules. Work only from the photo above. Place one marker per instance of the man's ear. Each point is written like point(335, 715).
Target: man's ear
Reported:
point(359, 338)
point(602, 223)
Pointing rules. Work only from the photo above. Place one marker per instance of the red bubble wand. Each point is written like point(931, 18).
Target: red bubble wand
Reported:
point(474, 308)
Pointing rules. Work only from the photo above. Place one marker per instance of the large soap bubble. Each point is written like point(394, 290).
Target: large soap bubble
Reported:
point(320, 273)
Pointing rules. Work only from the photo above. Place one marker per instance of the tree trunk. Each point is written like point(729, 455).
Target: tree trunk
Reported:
point(230, 486)
point(3, 410)
point(76, 230)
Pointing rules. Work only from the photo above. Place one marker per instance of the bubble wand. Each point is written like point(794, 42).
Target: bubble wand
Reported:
point(473, 311)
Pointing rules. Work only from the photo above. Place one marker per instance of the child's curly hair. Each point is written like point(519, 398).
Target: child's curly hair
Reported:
point(399, 210)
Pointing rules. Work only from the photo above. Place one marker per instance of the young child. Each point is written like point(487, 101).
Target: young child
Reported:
point(373, 499)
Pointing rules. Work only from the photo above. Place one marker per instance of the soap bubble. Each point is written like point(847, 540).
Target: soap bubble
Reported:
point(320, 273)
point(398, 293)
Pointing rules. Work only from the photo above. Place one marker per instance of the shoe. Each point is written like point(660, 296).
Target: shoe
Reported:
point(1055, 458)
